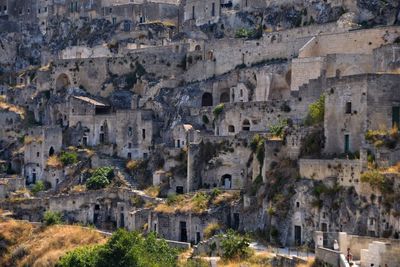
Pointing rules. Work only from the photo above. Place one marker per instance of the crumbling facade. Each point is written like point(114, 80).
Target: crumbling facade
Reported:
point(200, 101)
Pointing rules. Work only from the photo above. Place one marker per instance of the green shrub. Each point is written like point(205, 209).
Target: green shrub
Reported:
point(316, 111)
point(52, 218)
point(234, 245)
point(38, 187)
point(218, 109)
point(68, 158)
point(100, 178)
point(277, 129)
point(374, 178)
point(123, 249)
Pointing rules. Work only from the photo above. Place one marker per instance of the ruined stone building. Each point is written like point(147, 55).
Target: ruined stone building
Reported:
point(273, 117)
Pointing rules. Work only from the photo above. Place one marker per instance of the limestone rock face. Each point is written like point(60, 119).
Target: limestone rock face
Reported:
point(378, 12)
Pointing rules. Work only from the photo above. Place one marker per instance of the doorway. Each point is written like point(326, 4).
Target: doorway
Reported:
point(297, 235)
point(183, 231)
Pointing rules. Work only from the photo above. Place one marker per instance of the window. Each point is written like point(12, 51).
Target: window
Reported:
point(213, 9)
point(246, 125)
point(5, 8)
point(346, 143)
point(396, 117)
point(348, 108)
point(129, 145)
point(129, 131)
point(178, 143)
point(231, 128)
point(297, 204)
point(114, 20)
point(144, 134)
point(371, 221)
point(45, 9)
point(129, 155)
point(127, 26)
point(110, 10)
point(193, 12)
point(37, 154)
point(206, 100)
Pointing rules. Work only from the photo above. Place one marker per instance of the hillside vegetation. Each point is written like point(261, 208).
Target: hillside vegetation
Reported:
point(23, 244)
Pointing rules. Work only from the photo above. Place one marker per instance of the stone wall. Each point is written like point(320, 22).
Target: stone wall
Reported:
point(347, 172)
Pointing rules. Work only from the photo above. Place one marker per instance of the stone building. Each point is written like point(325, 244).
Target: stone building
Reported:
point(40, 144)
point(95, 123)
point(201, 12)
point(356, 104)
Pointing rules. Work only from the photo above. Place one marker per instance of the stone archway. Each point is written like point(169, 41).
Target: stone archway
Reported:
point(226, 181)
point(224, 98)
point(62, 82)
point(206, 100)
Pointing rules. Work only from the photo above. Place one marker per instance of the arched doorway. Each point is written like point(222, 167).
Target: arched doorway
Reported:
point(246, 125)
point(224, 98)
point(51, 151)
point(206, 100)
point(226, 181)
point(62, 82)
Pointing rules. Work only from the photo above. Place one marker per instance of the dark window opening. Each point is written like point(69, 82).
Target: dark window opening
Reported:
point(224, 98)
point(348, 108)
point(179, 189)
point(246, 125)
point(206, 100)
point(231, 128)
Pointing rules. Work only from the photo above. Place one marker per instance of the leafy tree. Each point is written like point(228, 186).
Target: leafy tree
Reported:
point(100, 178)
point(123, 249)
point(234, 245)
point(38, 187)
point(68, 158)
point(52, 218)
point(316, 111)
point(218, 109)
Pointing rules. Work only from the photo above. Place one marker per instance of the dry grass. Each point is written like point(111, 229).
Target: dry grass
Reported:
point(309, 263)
point(30, 139)
point(13, 108)
point(78, 188)
point(30, 246)
point(226, 197)
point(132, 165)
point(393, 169)
point(256, 260)
point(54, 162)
point(152, 191)
point(196, 203)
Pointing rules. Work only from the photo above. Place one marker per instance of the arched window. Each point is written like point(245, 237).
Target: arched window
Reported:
point(206, 100)
point(197, 48)
point(231, 128)
point(246, 125)
point(224, 98)
point(129, 131)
